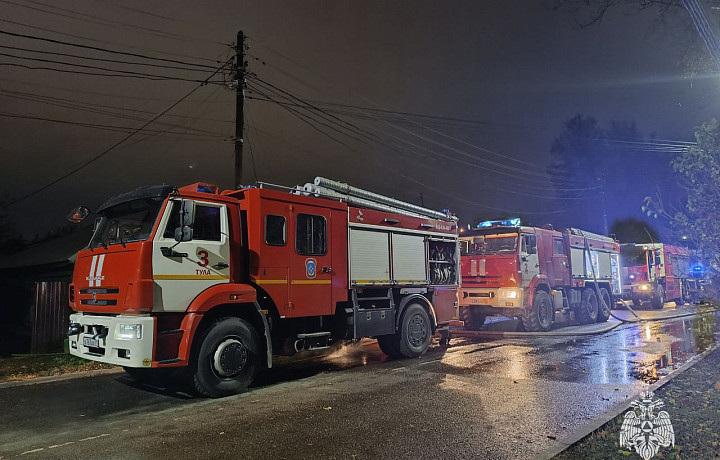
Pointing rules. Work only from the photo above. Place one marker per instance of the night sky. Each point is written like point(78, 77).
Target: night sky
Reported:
point(494, 82)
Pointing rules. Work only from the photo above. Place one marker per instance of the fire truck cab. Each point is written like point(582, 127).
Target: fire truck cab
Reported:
point(656, 272)
point(219, 282)
point(532, 273)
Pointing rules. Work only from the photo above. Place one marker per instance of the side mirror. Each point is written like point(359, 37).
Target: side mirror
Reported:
point(78, 214)
point(184, 233)
point(187, 214)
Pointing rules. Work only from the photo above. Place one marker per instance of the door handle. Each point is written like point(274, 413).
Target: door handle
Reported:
point(220, 265)
point(327, 269)
point(169, 252)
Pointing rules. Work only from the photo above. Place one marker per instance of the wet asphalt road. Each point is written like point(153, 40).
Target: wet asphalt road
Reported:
point(481, 398)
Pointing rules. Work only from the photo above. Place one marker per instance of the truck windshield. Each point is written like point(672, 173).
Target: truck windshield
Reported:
point(632, 256)
point(503, 243)
point(126, 222)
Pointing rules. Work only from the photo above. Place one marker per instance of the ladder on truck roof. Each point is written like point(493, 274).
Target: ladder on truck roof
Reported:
point(355, 196)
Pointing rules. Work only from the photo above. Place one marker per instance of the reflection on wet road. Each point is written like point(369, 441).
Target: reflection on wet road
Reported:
point(631, 353)
point(511, 397)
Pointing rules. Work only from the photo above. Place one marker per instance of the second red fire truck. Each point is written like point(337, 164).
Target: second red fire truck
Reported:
point(533, 273)
point(656, 272)
point(217, 283)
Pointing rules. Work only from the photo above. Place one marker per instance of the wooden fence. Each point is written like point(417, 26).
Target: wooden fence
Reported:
point(50, 316)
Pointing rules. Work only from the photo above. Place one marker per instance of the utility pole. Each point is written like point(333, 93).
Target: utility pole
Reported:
point(240, 66)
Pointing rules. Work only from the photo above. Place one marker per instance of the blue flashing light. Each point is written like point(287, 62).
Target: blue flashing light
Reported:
point(500, 223)
point(207, 188)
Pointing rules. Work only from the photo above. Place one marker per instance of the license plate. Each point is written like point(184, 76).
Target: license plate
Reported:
point(480, 300)
point(91, 342)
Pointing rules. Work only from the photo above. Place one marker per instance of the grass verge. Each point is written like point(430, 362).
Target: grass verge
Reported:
point(692, 400)
point(25, 367)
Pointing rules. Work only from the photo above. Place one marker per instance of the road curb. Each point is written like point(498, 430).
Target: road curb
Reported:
point(57, 378)
point(624, 406)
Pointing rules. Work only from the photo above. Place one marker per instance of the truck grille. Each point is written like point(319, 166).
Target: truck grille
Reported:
point(95, 292)
point(482, 280)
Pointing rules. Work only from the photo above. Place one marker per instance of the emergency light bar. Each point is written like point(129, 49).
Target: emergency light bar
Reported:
point(207, 188)
point(500, 223)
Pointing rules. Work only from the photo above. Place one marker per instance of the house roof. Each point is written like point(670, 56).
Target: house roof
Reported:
point(51, 251)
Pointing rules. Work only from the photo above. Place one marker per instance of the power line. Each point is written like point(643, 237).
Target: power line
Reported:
point(103, 21)
point(113, 61)
point(466, 163)
point(507, 157)
point(86, 107)
point(287, 94)
point(127, 73)
point(98, 126)
point(92, 93)
point(117, 144)
point(104, 50)
point(138, 10)
point(78, 72)
point(307, 119)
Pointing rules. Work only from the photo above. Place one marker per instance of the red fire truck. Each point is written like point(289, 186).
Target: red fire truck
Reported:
point(217, 283)
point(532, 273)
point(657, 272)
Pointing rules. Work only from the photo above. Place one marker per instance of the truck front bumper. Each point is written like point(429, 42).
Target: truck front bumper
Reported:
point(638, 291)
point(124, 340)
point(504, 297)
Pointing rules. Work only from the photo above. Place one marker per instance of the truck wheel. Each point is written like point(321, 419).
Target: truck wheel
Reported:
point(605, 306)
point(587, 311)
point(227, 358)
point(539, 317)
point(415, 331)
point(658, 299)
point(389, 345)
point(472, 317)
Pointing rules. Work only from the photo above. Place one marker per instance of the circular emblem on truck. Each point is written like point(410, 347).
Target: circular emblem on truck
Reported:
point(146, 362)
point(310, 267)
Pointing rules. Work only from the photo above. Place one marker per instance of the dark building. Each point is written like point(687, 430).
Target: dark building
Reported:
point(34, 282)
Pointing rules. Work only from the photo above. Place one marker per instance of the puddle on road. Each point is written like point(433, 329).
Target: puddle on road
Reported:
point(648, 351)
point(667, 346)
point(629, 354)
point(644, 352)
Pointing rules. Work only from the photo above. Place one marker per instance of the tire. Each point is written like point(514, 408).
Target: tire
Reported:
point(539, 317)
point(658, 299)
point(153, 376)
point(389, 345)
point(415, 331)
point(227, 358)
point(587, 312)
point(604, 312)
point(472, 317)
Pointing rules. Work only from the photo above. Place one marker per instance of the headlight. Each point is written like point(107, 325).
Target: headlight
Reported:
point(512, 294)
point(128, 331)
point(644, 287)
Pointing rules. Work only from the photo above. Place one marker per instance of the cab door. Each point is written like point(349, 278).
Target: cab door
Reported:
point(311, 268)
point(183, 270)
point(529, 263)
point(561, 271)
